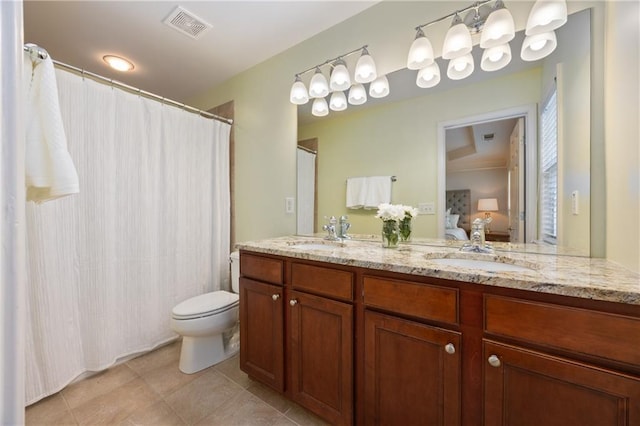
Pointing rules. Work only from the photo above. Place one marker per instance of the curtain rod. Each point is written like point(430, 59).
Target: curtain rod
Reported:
point(42, 54)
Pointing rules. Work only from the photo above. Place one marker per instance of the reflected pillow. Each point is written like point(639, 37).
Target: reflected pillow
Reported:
point(451, 221)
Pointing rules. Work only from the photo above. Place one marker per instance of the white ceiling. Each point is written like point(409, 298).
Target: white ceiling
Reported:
point(169, 63)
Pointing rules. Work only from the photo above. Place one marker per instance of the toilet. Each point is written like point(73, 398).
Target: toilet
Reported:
point(207, 324)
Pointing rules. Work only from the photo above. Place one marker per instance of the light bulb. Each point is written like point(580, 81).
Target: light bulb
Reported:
point(429, 76)
point(365, 68)
point(538, 46)
point(357, 94)
point(545, 16)
point(340, 79)
point(420, 53)
point(461, 67)
point(457, 42)
point(379, 87)
point(318, 87)
point(299, 94)
point(338, 101)
point(320, 107)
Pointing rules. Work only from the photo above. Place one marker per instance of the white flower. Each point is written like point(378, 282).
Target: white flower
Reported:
point(391, 211)
point(410, 211)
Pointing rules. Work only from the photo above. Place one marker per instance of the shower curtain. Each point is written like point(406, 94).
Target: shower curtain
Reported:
point(306, 191)
point(149, 229)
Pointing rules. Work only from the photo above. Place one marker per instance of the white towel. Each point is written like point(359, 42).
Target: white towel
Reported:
point(356, 192)
point(50, 172)
point(378, 191)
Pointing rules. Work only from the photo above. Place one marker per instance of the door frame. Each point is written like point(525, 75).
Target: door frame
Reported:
point(530, 114)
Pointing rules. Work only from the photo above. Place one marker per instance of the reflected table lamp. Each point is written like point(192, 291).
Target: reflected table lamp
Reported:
point(487, 205)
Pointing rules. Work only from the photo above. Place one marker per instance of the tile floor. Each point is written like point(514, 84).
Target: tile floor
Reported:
point(150, 390)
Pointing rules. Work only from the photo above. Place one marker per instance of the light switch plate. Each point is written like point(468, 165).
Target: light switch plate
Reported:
point(289, 205)
point(427, 208)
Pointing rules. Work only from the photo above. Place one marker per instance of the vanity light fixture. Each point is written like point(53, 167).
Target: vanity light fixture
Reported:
point(339, 82)
point(496, 28)
point(118, 63)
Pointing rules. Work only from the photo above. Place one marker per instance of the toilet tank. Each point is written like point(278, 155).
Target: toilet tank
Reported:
point(234, 258)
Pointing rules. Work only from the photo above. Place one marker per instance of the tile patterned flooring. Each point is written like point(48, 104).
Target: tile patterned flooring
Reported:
point(151, 390)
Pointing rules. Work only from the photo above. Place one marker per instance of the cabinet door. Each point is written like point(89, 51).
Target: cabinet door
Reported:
point(412, 373)
point(321, 356)
point(261, 332)
point(524, 387)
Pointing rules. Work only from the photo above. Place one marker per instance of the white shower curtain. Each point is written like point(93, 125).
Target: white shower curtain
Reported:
point(306, 191)
point(149, 229)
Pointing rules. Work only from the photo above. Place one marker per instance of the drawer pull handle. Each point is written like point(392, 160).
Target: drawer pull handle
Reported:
point(494, 361)
point(275, 296)
point(293, 302)
point(449, 348)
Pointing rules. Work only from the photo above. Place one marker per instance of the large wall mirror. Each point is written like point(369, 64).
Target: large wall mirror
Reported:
point(481, 135)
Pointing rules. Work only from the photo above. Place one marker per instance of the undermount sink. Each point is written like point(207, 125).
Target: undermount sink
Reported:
point(485, 265)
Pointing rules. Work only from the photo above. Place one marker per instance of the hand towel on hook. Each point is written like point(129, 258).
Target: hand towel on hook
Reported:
point(50, 172)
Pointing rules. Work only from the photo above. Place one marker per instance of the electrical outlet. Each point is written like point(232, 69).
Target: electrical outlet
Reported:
point(427, 208)
point(289, 205)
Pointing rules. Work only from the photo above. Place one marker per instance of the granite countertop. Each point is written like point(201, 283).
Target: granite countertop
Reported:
point(583, 277)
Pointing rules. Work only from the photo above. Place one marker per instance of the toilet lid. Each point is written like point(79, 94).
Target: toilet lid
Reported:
point(205, 304)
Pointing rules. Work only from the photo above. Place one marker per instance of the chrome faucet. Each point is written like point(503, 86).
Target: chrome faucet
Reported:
point(478, 243)
point(331, 229)
point(343, 228)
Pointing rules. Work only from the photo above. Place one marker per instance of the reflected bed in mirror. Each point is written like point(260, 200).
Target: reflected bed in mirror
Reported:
point(406, 138)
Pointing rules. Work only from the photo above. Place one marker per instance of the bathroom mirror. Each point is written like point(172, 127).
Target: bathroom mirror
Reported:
point(404, 137)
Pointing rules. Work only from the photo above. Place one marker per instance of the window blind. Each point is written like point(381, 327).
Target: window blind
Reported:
point(549, 169)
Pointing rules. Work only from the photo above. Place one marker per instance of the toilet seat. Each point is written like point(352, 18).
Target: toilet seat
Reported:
point(205, 305)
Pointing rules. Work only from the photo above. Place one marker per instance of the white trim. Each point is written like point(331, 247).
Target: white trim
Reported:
point(530, 114)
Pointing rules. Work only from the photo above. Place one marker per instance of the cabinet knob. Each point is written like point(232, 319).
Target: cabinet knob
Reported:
point(494, 361)
point(450, 348)
point(293, 302)
point(275, 296)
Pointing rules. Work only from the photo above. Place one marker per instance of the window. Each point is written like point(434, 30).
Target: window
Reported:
point(549, 169)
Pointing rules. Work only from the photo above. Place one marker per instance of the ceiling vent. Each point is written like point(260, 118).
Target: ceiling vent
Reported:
point(488, 137)
point(187, 23)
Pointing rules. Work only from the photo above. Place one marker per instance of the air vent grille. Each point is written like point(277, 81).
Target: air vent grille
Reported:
point(488, 137)
point(187, 23)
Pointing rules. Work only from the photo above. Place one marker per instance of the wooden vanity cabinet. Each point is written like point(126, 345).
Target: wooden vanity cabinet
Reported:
point(525, 384)
point(412, 370)
point(261, 319)
point(298, 337)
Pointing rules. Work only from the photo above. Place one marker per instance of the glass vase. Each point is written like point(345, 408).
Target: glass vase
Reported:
point(390, 234)
point(405, 230)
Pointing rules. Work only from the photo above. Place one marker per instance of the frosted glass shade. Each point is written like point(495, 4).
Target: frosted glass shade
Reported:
point(338, 101)
point(545, 16)
point(461, 67)
point(299, 94)
point(340, 79)
point(357, 94)
point(457, 41)
point(319, 107)
point(429, 76)
point(379, 87)
point(538, 46)
point(420, 53)
point(496, 58)
point(318, 87)
point(365, 69)
point(498, 29)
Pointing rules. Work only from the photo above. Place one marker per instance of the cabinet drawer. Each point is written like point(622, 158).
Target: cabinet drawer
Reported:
point(605, 335)
point(261, 268)
point(323, 281)
point(418, 300)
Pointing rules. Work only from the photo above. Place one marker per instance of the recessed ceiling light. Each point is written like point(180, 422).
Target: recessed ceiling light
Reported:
point(118, 63)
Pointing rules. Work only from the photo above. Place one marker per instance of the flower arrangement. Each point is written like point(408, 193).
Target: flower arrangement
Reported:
point(396, 223)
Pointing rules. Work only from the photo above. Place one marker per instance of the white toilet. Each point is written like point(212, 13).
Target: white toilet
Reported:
point(207, 323)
